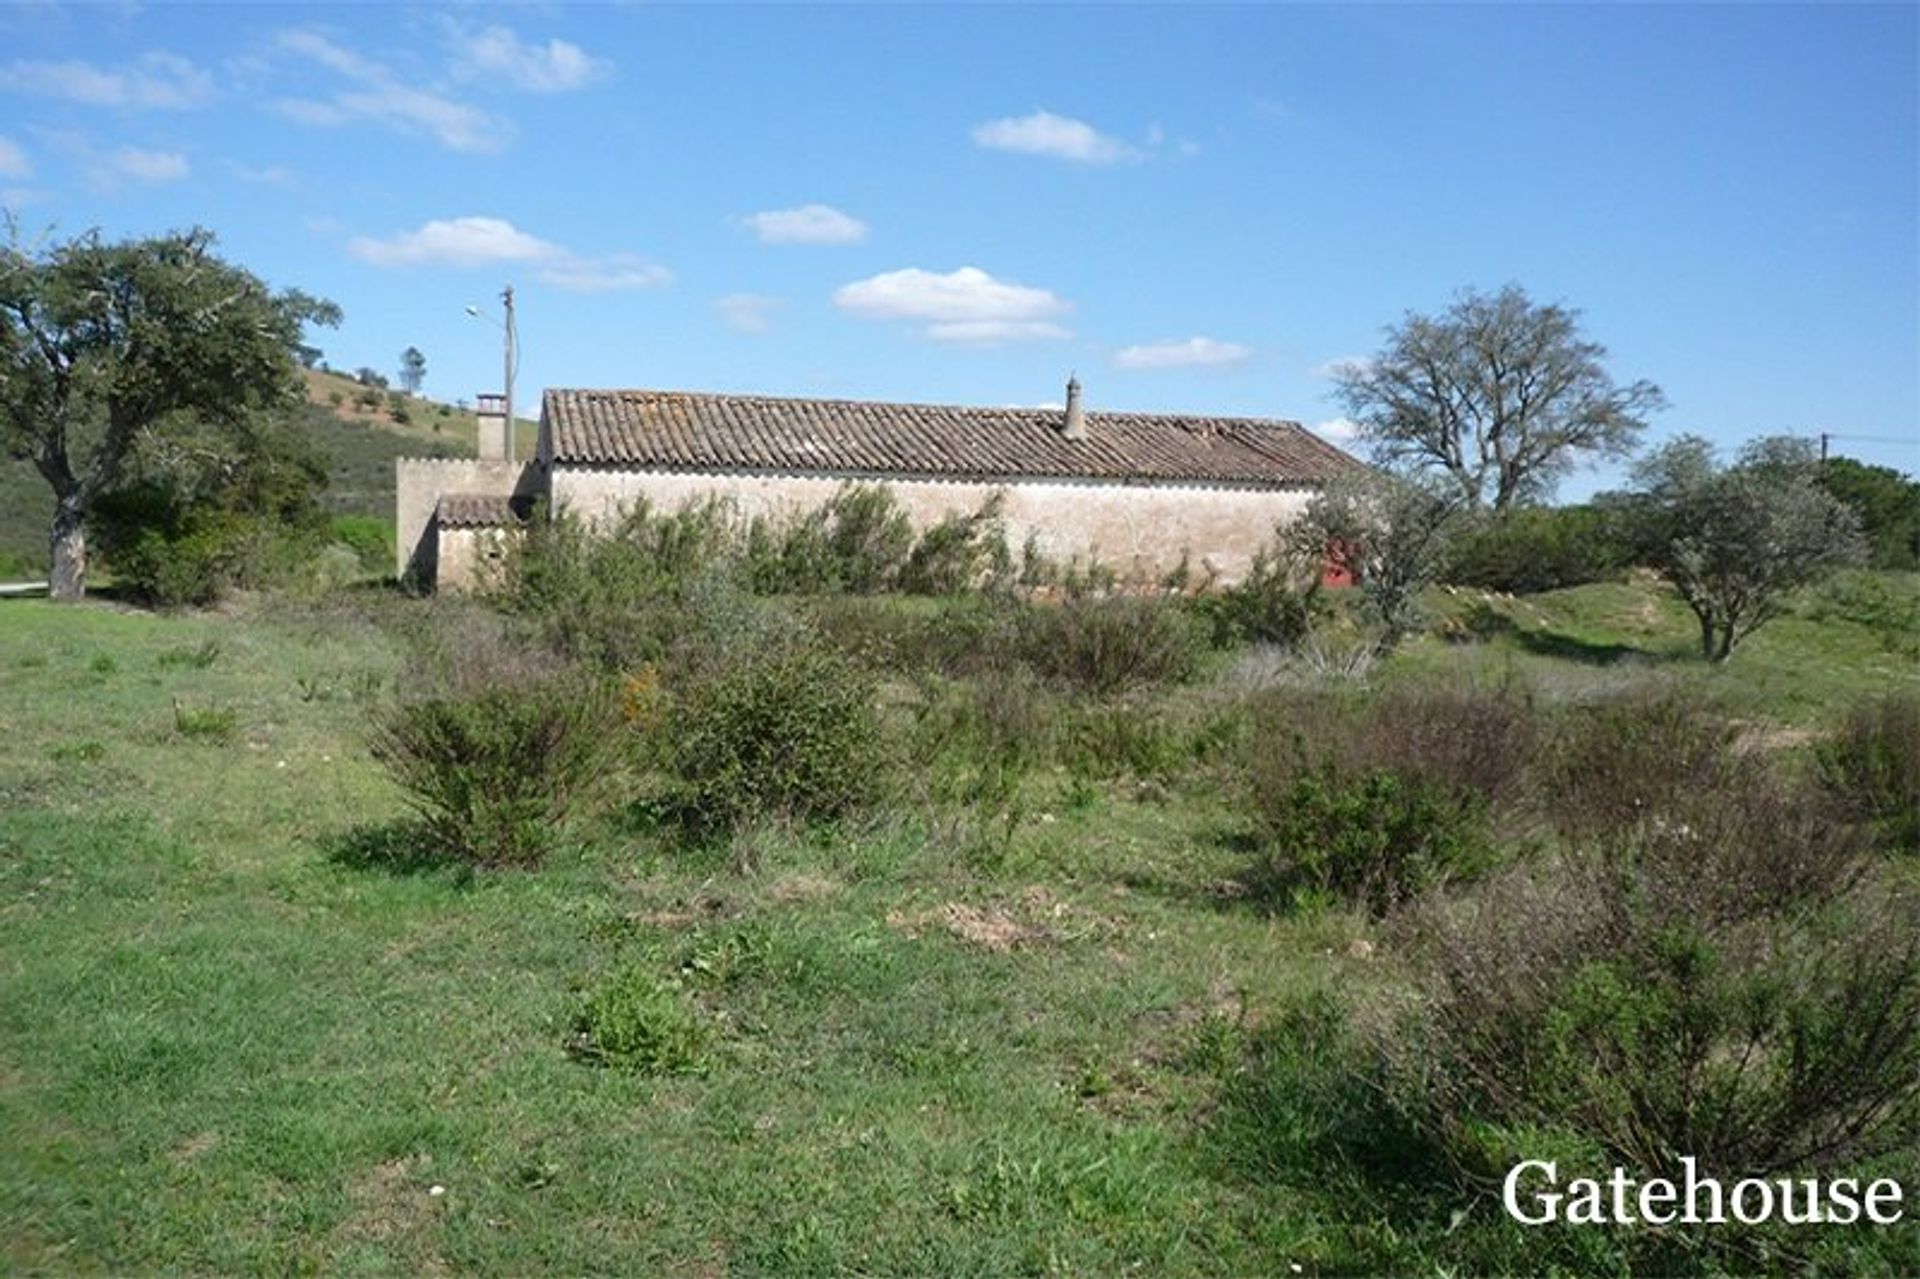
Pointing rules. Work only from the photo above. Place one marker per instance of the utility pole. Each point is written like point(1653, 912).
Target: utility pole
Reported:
point(511, 357)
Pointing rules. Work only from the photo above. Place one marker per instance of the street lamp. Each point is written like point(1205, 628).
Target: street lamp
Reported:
point(510, 355)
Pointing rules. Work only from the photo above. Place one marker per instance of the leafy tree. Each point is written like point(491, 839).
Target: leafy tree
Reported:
point(1502, 394)
point(413, 369)
point(1888, 504)
point(106, 348)
point(1736, 540)
point(1396, 534)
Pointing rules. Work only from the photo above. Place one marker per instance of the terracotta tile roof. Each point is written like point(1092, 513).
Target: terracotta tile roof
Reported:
point(475, 510)
point(679, 430)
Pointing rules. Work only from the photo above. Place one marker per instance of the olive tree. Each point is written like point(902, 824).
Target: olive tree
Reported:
point(1501, 394)
point(105, 346)
point(1394, 533)
point(1737, 540)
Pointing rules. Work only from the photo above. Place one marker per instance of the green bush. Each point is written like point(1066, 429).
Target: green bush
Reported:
point(637, 1022)
point(494, 764)
point(369, 537)
point(1535, 549)
point(1107, 644)
point(1268, 606)
point(1871, 768)
point(959, 553)
point(1373, 840)
point(784, 731)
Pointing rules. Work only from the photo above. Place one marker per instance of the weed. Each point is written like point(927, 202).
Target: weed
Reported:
point(635, 1021)
point(211, 724)
point(199, 657)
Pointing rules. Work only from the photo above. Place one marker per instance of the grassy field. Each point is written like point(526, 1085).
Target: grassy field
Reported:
point(244, 1031)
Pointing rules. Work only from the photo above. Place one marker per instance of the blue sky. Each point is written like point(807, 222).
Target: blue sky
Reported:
point(1195, 208)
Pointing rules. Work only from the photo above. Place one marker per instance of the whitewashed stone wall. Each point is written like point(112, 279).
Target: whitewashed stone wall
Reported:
point(1141, 531)
point(418, 485)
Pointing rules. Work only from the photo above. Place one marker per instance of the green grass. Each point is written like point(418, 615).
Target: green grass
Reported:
point(245, 1032)
point(249, 1026)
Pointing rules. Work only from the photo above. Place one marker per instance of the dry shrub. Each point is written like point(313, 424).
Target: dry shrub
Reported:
point(1871, 767)
point(1737, 988)
point(1646, 754)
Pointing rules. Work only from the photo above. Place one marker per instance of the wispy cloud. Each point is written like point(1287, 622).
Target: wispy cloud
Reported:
point(557, 66)
point(1059, 137)
point(967, 305)
point(1192, 353)
point(377, 96)
point(148, 166)
point(747, 312)
point(1342, 367)
point(158, 80)
point(269, 175)
point(1338, 430)
point(13, 159)
point(808, 224)
point(467, 242)
point(108, 170)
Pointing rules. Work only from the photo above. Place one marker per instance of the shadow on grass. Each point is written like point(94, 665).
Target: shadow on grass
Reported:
point(402, 847)
point(1487, 624)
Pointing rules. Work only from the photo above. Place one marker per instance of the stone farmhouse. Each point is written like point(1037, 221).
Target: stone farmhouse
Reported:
point(1136, 492)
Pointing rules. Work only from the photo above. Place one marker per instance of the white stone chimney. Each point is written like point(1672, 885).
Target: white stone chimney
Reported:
point(1075, 425)
point(491, 410)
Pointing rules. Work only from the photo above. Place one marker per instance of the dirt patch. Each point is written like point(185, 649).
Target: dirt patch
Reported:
point(803, 888)
point(193, 1147)
point(1034, 917)
point(1757, 739)
point(395, 1206)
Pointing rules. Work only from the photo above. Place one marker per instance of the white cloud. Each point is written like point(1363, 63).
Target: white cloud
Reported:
point(13, 160)
point(1193, 353)
point(271, 175)
point(747, 312)
point(1062, 138)
point(148, 166)
point(459, 242)
point(482, 241)
point(808, 224)
point(157, 80)
point(1332, 369)
point(616, 273)
point(554, 67)
point(1339, 430)
point(966, 305)
point(381, 98)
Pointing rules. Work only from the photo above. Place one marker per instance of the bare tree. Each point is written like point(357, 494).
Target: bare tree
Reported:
point(1500, 393)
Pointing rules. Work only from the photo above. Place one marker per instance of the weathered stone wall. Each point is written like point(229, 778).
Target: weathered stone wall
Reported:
point(418, 485)
point(1141, 531)
point(465, 555)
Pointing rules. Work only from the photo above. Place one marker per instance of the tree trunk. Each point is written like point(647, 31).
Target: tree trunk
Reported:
point(1706, 637)
point(69, 546)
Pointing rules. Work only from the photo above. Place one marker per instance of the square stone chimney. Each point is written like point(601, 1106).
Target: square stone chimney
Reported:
point(491, 412)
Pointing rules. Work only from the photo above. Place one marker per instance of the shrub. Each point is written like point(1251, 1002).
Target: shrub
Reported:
point(1634, 758)
point(1374, 840)
point(1466, 741)
point(785, 731)
point(1740, 991)
point(959, 553)
point(637, 1022)
point(1533, 549)
point(1107, 644)
point(492, 764)
point(1871, 768)
point(1266, 607)
point(867, 538)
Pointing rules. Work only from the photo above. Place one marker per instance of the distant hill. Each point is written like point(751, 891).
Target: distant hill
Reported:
point(360, 435)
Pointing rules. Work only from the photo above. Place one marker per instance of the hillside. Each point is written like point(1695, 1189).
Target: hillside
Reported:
point(357, 434)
